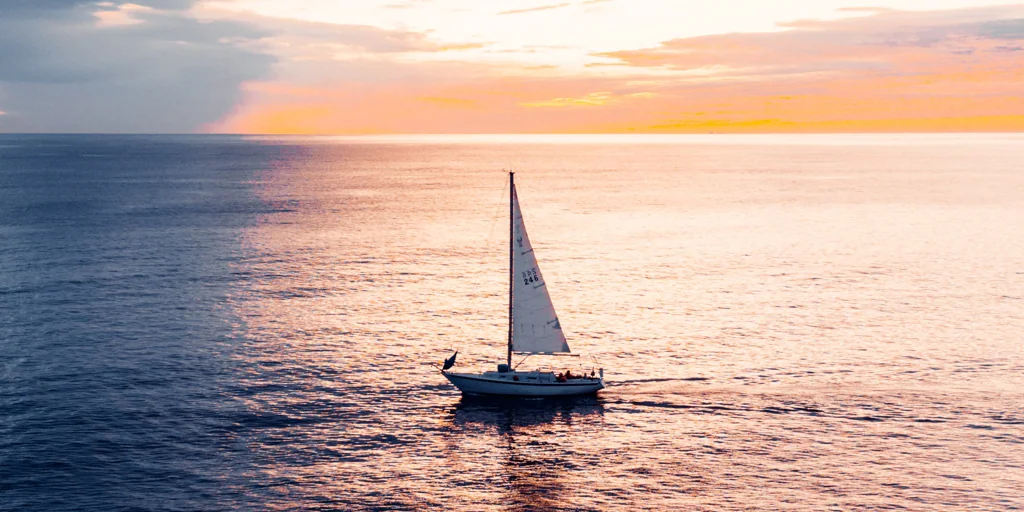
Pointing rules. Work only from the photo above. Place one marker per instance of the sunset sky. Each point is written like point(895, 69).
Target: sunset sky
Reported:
point(503, 66)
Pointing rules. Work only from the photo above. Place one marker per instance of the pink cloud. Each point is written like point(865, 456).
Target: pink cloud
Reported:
point(535, 9)
point(886, 41)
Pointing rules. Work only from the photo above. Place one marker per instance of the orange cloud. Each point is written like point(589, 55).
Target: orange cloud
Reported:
point(450, 102)
point(957, 70)
point(593, 99)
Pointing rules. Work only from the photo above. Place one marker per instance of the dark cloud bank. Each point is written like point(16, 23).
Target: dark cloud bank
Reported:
point(61, 72)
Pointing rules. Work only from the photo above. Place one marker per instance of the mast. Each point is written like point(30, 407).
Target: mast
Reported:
point(511, 255)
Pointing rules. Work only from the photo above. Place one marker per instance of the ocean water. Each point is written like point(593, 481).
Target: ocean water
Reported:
point(785, 322)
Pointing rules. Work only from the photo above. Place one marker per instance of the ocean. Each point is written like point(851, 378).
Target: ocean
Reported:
point(785, 322)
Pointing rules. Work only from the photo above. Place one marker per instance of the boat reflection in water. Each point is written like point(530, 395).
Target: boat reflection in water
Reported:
point(540, 468)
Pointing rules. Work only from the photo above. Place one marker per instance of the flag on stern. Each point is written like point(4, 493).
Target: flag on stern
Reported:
point(448, 363)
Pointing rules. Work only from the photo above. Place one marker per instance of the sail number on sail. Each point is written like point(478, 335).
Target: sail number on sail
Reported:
point(531, 276)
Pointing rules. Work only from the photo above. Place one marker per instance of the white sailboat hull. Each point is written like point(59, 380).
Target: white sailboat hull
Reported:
point(529, 384)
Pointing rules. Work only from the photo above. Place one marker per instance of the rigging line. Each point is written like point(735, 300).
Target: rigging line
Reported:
point(521, 362)
point(498, 205)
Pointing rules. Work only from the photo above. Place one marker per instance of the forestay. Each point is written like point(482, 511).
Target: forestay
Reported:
point(535, 324)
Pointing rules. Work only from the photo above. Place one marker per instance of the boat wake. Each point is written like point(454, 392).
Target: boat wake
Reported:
point(633, 382)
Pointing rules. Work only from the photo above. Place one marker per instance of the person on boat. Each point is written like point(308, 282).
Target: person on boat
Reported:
point(568, 374)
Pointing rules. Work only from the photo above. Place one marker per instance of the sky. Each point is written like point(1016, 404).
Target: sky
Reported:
point(510, 66)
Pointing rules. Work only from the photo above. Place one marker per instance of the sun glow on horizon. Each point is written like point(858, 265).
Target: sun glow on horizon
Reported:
point(453, 66)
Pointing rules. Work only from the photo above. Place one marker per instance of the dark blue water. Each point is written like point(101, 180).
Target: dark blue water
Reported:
point(116, 383)
point(223, 323)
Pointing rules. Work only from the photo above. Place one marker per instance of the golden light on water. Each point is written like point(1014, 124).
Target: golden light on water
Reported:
point(773, 314)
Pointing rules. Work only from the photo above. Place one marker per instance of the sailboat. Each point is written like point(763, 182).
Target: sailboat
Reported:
point(533, 328)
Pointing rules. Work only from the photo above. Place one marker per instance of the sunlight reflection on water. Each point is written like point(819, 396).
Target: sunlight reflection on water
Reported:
point(806, 326)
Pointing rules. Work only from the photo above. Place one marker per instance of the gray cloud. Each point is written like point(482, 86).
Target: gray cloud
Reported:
point(302, 35)
point(1002, 29)
point(60, 71)
point(49, 8)
point(362, 37)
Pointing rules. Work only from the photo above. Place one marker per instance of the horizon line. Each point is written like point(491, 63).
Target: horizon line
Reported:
point(529, 134)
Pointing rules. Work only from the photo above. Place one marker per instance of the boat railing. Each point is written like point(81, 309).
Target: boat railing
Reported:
point(574, 373)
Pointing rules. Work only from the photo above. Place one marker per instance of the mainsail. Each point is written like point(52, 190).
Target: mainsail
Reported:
point(535, 325)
